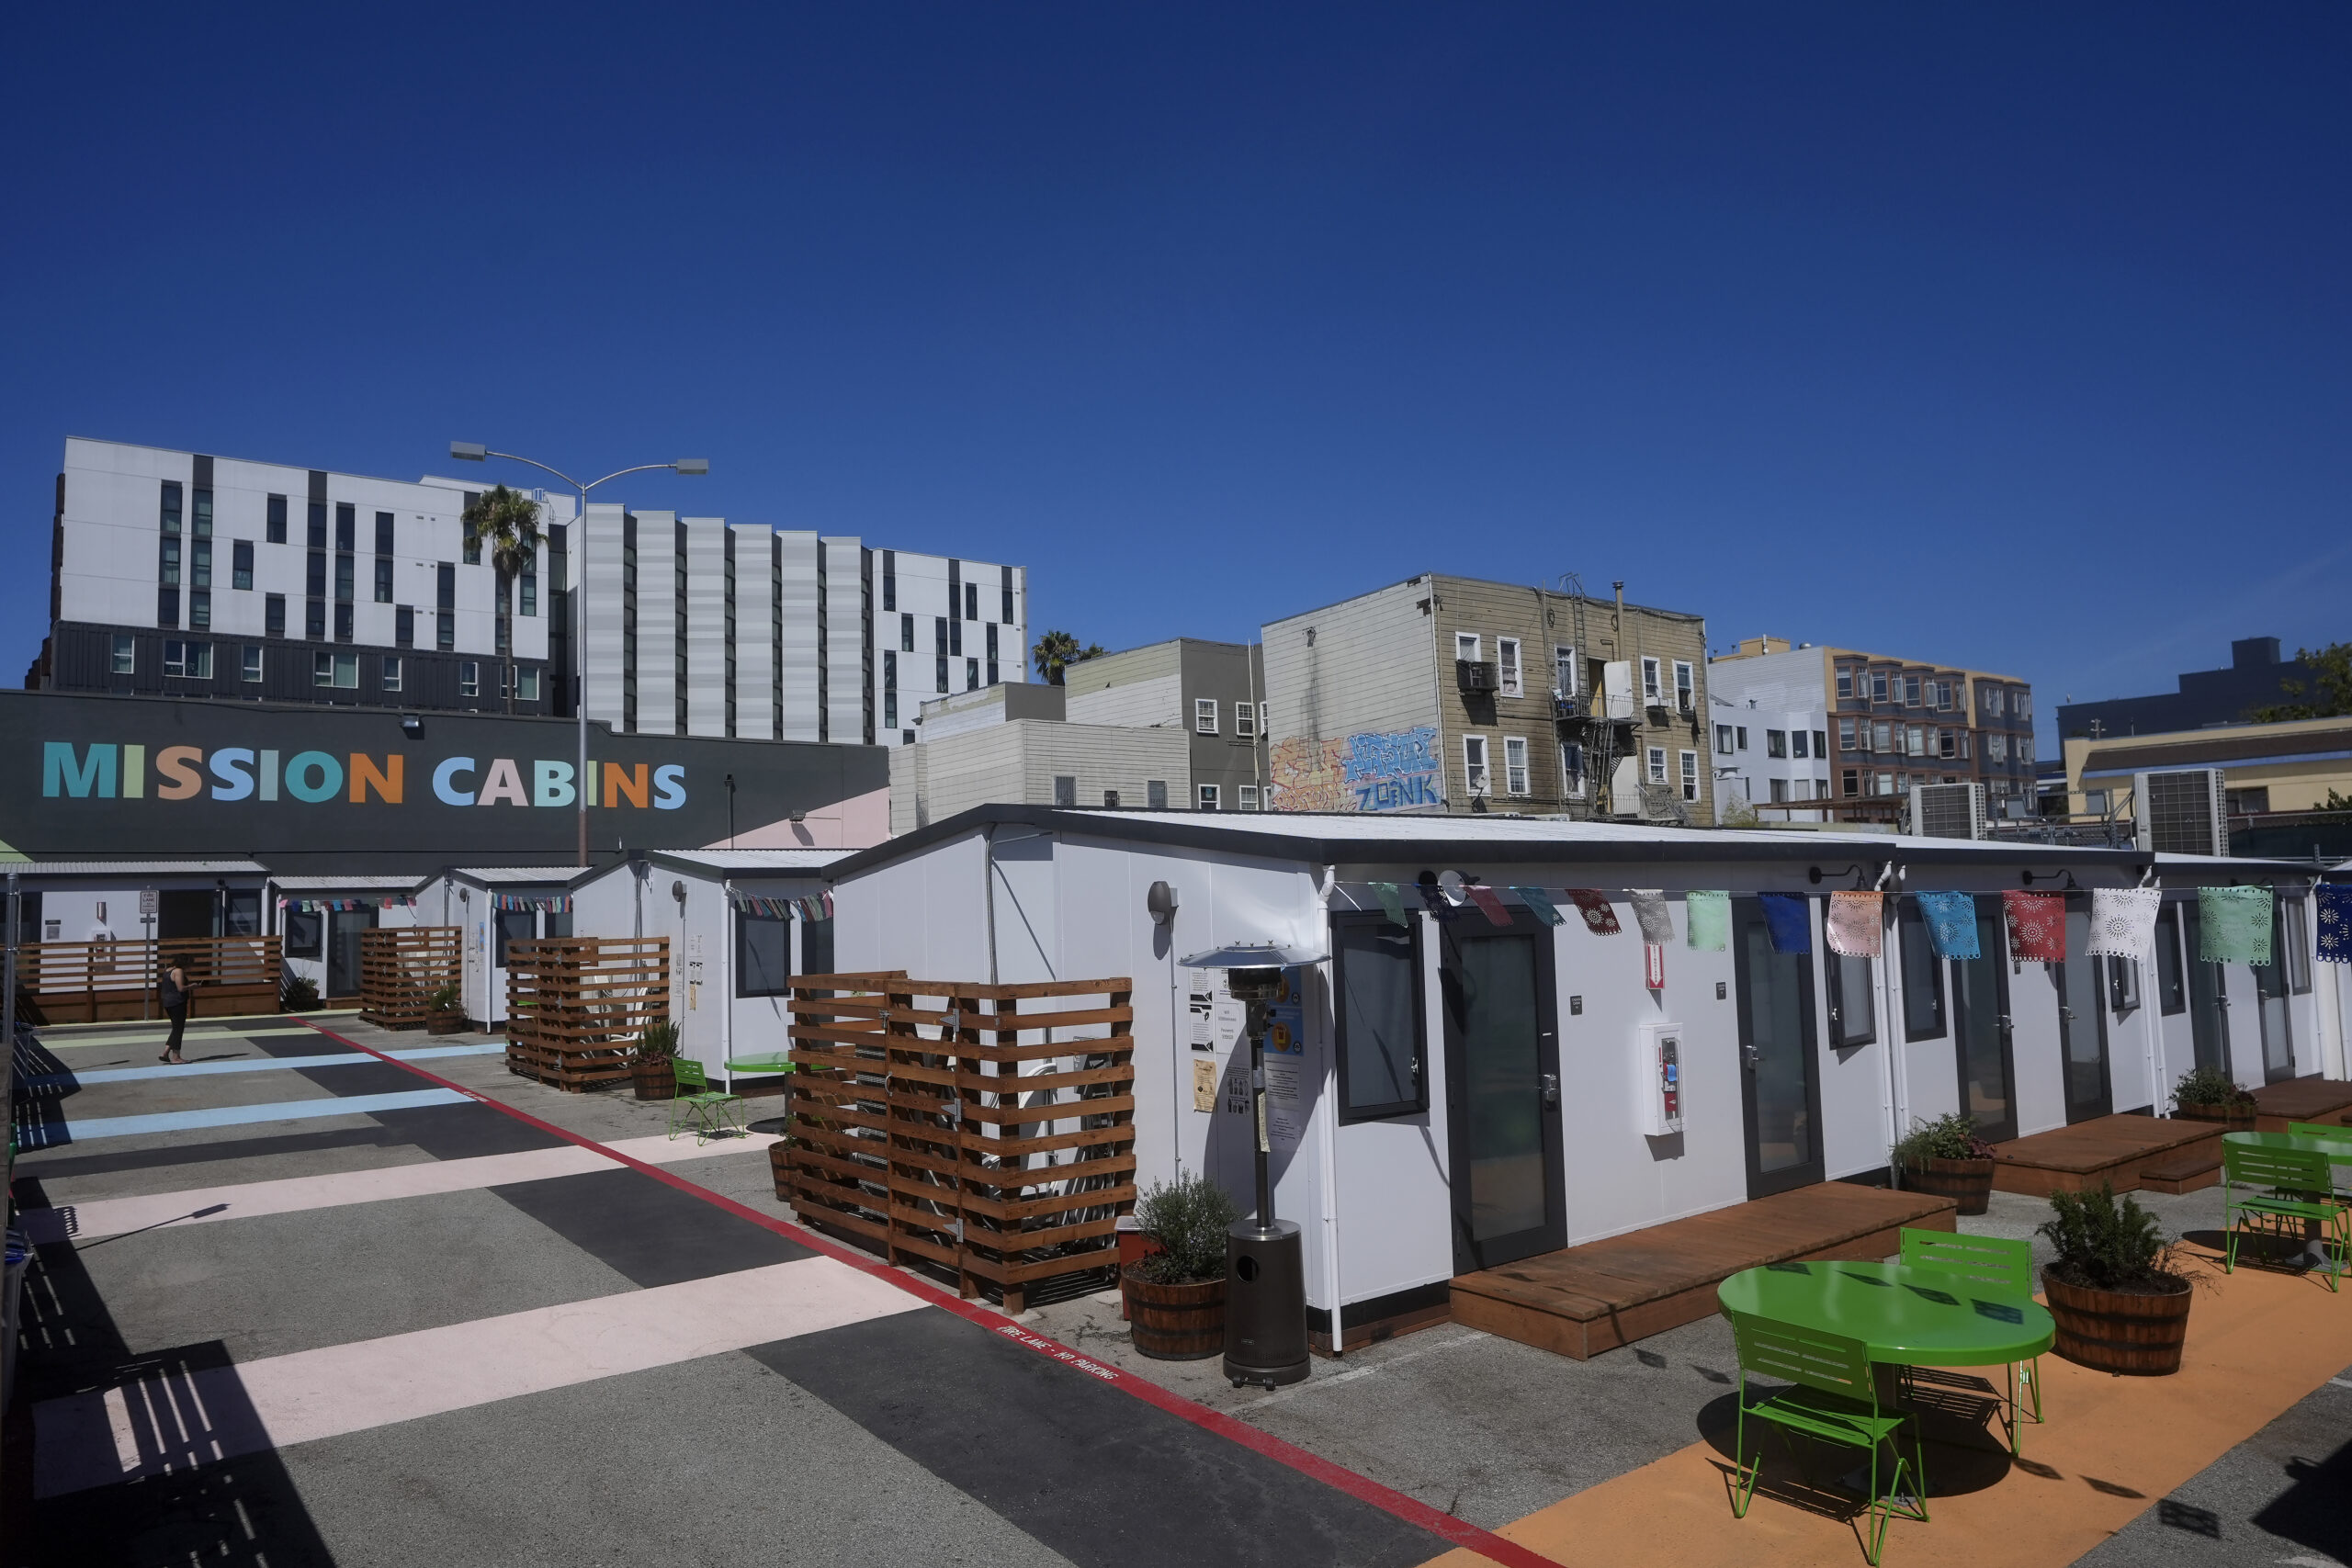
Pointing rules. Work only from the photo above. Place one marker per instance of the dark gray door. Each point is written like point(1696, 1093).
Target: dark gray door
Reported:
point(344, 927)
point(2082, 1019)
point(1980, 996)
point(1502, 1091)
point(1779, 1083)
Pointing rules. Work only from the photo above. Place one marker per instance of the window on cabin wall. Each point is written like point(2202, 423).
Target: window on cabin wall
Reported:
point(762, 955)
point(1376, 977)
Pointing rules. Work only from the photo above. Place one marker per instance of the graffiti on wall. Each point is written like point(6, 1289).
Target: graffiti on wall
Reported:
point(1371, 771)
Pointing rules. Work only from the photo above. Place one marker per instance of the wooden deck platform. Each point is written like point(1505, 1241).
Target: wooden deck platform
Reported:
point(2302, 1099)
point(2106, 1149)
point(1583, 1300)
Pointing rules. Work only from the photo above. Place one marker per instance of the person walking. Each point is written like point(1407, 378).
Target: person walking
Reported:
point(175, 987)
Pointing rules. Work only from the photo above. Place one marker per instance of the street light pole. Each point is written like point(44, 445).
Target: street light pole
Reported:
point(472, 452)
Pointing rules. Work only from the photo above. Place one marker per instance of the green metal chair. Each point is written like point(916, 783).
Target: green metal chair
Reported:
point(2275, 1188)
point(2003, 1271)
point(1835, 1400)
point(712, 1113)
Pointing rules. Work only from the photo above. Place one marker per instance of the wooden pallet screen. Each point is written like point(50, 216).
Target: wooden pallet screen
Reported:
point(576, 1005)
point(91, 982)
point(986, 1131)
point(401, 967)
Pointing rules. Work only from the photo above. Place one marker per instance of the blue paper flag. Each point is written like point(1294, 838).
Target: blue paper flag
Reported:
point(2336, 923)
point(1789, 919)
point(1540, 902)
point(1952, 923)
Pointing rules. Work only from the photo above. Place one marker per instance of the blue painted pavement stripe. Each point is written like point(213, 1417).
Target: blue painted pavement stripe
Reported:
point(44, 1134)
point(247, 1064)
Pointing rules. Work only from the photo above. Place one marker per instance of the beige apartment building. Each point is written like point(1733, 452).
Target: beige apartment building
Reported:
point(1455, 695)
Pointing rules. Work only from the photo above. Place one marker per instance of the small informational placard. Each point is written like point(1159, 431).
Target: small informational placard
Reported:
point(1286, 1063)
point(1205, 1084)
point(147, 903)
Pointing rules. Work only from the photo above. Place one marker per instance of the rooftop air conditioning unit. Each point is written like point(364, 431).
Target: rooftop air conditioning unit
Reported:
point(1948, 811)
point(2182, 813)
point(1475, 675)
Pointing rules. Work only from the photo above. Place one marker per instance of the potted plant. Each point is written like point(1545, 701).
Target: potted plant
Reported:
point(442, 1013)
point(1175, 1296)
point(2119, 1305)
point(652, 1069)
point(2209, 1094)
point(298, 994)
point(1947, 1158)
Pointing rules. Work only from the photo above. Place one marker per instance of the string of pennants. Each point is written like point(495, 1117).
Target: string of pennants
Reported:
point(2233, 927)
point(518, 903)
point(344, 906)
point(817, 906)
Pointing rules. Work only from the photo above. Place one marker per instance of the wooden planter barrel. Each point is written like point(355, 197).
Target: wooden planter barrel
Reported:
point(2237, 1117)
point(452, 1021)
point(654, 1079)
point(1968, 1180)
point(2117, 1331)
point(1175, 1323)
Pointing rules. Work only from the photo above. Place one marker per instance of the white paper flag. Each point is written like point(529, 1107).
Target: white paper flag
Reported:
point(2123, 923)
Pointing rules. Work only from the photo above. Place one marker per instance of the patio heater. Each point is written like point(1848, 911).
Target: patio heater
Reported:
point(1265, 1264)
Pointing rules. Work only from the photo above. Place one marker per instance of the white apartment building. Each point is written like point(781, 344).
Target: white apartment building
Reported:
point(177, 573)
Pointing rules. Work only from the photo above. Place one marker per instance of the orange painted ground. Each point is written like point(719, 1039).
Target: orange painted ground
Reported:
point(2258, 1341)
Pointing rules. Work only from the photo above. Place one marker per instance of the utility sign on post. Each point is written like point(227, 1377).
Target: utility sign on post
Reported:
point(146, 902)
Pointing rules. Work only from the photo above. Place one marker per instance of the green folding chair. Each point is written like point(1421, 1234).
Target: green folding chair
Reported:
point(2276, 1188)
point(2002, 1271)
point(1835, 1400)
point(712, 1113)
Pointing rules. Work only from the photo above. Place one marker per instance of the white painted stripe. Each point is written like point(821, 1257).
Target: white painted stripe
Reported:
point(156, 1037)
point(32, 1137)
point(249, 1065)
point(163, 1425)
point(298, 1194)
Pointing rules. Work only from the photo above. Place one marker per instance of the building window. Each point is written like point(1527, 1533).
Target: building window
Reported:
point(1740, 733)
point(1205, 715)
point(1845, 735)
point(890, 580)
point(1245, 720)
point(240, 564)
point(1065, 789)
point(971, 601)
point(170, 519)
point(276, 530)
point(337, 669)
point(444, 630)
point(1652, 694)
point(384, 533)
point(1820, 743)
point(1686, 687)
point(1780, 788)
point(1515, 764)
point(391, 672)
point(1853, 1011)
point(1474, 764)
point(940, 675)
point(971, 674)
point(1911, 690)
point(906, 634)
point(1722, 740)
point(199, 609)
point(1796, 743)
point(1467, 647)
point(1997, 748)
point(1851, 781)
point(1885, 785)
point(315, 527)
point(1004, 574)
point(889, 689)
point(404, 626)
point(1690, 775)
point(528, 586)
point(1845, 682)
point(126, 655)
point(1208, 795)
point(1776, 743)
point(939, 637)
point(252, 664)
point(1506, 676)
point(383, 580)
point(1249, 794)
point(1878, 686)
point(167, 561)
point(1378, 1019)
point(343, 622)
point(274, 615)
point(1657, 764)
point(526, 683)
point(1572, 771)
point(188, 660)
point(762, 955)
point(199, 563)
point(1155, 794)
point(469, 678)
point(1923, 973)
point(1882, 738)
point(1563, 671)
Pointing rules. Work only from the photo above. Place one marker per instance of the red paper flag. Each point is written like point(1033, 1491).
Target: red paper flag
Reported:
point(2037, 923)
point(1598, 917)
point(1483, 896)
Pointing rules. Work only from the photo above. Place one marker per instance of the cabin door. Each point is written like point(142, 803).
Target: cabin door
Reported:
point(1502, 1080)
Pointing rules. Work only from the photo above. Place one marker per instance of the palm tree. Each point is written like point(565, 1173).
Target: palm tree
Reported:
point(507, 523)
point(1056, 651)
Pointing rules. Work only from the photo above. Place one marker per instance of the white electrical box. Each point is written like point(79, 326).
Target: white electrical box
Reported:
point(1658, 1079)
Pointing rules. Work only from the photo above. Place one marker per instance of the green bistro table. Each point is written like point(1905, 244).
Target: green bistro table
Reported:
point(761, 1062)
point(1907, 1317)
point(2339, 1150)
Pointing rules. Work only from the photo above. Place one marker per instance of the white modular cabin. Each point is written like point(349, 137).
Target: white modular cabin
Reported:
point(493, 906)
point(318, 919)
point(1465, 1092)
point(736, 931)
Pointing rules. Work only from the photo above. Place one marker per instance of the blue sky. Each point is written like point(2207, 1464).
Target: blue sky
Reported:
point(2010, 335)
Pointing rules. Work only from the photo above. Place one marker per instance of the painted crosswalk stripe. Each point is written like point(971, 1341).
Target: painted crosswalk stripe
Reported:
point(40, 1135)
point(155, 1037)
point(334, 1190)
point(174, 1423)
point(247, 1064)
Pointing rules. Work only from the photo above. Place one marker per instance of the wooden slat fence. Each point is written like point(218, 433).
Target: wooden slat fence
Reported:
point(401, 967)
point(576, 1005)
point(92, 982)
point(987, 1130)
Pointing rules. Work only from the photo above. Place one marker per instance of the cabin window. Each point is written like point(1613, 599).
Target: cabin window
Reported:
point(1382, 1055)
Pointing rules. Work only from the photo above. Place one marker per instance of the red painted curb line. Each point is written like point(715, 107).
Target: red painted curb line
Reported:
point(1460, 1532)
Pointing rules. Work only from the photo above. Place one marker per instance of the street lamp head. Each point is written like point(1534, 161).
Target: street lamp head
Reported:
point(469, 451)
point(692, 465)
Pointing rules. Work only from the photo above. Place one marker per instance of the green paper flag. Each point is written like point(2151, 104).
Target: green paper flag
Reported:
point(2234, 923)
point(1387, 892)
point(1707, 916)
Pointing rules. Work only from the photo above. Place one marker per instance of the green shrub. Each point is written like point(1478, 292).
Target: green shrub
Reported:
point(2209, 1088)
point(300, 994)
point(657, 1040)
point(2103, 1244)
point(443, 998)
point(1189, 1216)
point(1952, 1136)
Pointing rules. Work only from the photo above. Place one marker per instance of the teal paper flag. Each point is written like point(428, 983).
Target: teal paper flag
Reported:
point(1386, 893)
point(1536, 900)
point(2234, 923)
point(1706, 918)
